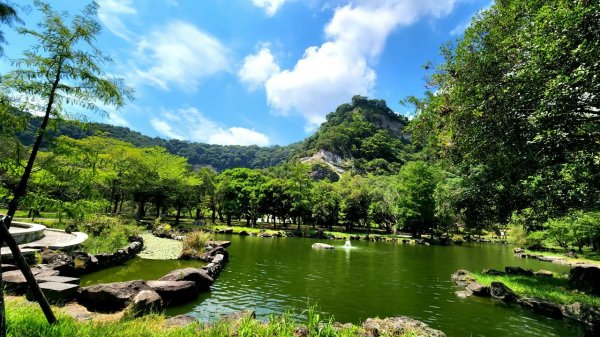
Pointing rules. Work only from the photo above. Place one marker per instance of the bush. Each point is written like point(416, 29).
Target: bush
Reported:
point(107, 234)
point(517, 235)
point(196, 240)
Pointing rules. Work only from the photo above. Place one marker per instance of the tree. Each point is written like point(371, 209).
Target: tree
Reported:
point(417, 181)
point(63, 67)
point(8, 16)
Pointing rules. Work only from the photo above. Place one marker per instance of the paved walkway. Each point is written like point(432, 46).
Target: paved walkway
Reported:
point(53, 239)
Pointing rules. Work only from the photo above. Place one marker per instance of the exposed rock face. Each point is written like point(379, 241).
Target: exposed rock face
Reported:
point(200, 277)
point(396, 326)
point(175, 292)
point(478, 289)
point(110, 297)
point(500, 291)
point(586, 279)
point(145, 302)
point(319, 245)
point(518, 271)
point(543, 307)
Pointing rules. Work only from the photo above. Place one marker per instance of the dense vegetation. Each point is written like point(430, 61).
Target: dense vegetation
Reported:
point(219, 157)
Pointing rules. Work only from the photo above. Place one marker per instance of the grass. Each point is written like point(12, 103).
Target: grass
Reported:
point(196, 240)
point(106, 234)
point(589, 257)
point(553, 289)
point(25, 319)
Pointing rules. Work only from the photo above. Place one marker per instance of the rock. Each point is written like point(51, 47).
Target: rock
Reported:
point(180, 321)
point(265, 235)
point(58, 279)
point(493, 272)
point(478, 289)
point(542, 307)
point(200, 277)
point(59, 261)
point(219, 259)
point(225, 231)
point(213, 269)
point(518, 271)
point(500, 291)
point(8, 267)
point(319, 245)
point(208, 256)
point(571, 254)
point(234, 319)
point(461, 277)
point(243, 233)
point(397, 326)
point(56, 293)
point(518, 250)
point(15, 282)
point(175, 292)
point(463, 293)
point(143, 303)
point(586, 279)
point(136, 238)
point(301, 331)
point(84, 262)
point(110, 297)
point(543, 273)
point(134, 248)
point(104, 260)
point(223, 244)
point(458, 242)
point(586, 314)
point(78, 312)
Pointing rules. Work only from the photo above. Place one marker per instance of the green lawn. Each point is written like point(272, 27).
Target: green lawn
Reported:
point(553, 289)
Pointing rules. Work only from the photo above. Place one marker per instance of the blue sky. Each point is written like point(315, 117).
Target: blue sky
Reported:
point(262, 72)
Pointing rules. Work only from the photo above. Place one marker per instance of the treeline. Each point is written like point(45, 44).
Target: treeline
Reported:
point(219, 157)
point(98, 174)
point(514, 112)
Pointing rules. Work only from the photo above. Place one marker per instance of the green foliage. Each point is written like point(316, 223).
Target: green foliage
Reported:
point(107, 234)
point(517, 235)
point(577, 229)
point(196, 240)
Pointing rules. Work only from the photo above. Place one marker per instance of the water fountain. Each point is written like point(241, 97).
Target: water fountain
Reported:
point(347, 244)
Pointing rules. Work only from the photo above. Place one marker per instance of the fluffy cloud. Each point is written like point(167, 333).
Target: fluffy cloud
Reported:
point(191, 124)
point(332, 73)
point(110, 13)
point(258, 68)
point(179, 54)
point(270, 6)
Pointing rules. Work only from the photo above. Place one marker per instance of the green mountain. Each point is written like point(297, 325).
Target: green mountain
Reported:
point(364, 135)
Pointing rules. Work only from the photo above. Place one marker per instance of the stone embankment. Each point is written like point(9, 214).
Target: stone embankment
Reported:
point(587, 314)
point(522, 253)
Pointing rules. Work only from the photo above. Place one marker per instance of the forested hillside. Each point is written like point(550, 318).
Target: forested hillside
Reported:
point(219, 157)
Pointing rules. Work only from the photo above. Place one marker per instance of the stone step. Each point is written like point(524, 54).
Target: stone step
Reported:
point(57, 293)
point(9, 267)
point(59, 279)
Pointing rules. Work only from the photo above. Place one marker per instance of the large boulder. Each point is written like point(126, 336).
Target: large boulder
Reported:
point(586, 279)
point(200, 277)
point(320, 245)
point(478, 290)
point(397, 326)
point(110, 297)
point(223, 244)
point(15, 282)
point(144, 302)
point(542, 307)
point(213, 269)
point(59, 261)
point(500, 291)
point(175, 292)
point(56, 292)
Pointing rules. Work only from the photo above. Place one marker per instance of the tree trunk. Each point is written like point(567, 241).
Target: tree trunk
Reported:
point(213, 216)
point(178, 215)
point(228, 219)
point(121, 203)
point(141, 211)
point(247, 221)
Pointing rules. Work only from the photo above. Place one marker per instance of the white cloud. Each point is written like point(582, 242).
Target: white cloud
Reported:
point(179, 54)
point(340, 68)
point(191, 124)
point(110, 13)
point(258, 68)
point(462, 26)
point(116, 119)
point(270, 6)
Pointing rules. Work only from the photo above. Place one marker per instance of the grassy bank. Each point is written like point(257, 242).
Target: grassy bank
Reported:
point(25, 319)
point(553, 289)
point(588, 257)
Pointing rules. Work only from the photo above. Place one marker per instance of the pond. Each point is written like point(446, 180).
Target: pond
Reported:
point(275, 275)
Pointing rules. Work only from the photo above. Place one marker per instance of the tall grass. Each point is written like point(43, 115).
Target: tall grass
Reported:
point(108, 233)
point(196, 240)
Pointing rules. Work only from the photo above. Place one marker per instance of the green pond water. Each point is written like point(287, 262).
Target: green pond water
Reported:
point(275, 275)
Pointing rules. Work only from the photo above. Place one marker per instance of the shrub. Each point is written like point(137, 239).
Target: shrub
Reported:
point(107, 234)
point(196, 240)
point(517, 235)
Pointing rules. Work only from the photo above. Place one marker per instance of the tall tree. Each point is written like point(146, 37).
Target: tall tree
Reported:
point(63, 67)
